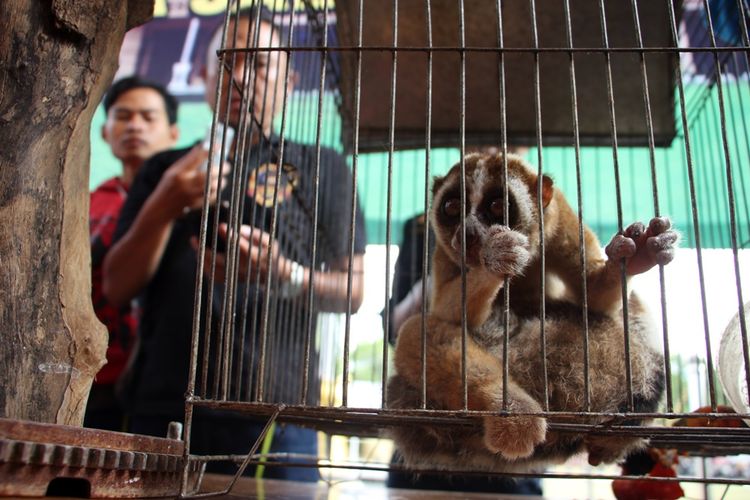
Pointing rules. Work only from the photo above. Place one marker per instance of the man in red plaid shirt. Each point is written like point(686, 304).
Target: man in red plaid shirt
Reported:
point(141, 121)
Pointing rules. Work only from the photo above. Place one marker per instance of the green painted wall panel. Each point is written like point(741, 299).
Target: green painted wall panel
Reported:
point(601, 208)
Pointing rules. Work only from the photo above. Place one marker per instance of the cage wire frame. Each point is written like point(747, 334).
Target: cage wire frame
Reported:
point(728, 62)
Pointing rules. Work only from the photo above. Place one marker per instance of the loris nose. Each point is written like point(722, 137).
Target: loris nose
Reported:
point(473, 237)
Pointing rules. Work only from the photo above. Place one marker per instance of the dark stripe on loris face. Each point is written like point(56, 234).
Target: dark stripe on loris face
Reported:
point(443, 218)
point(491, 209)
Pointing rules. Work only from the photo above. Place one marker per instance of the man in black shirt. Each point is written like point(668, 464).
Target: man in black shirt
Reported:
point(155, 257)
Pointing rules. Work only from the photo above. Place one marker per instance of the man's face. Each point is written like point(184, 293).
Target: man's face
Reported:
point(137, 126)
point(265, 85)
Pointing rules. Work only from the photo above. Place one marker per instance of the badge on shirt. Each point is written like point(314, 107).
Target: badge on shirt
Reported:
point(262, 183)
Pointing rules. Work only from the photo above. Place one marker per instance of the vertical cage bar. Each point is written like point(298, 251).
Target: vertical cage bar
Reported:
point(274, 215)
point(426, 236)
point(352, 228)
point(289, 323)
point(506, 202)
point(245, 133)
point(260, 325)
point(540, 211)
point(389, 191)
point(743, 10)
point(197, 301)
point(228, 316)
point(355, 164)
point(462, 133)
point(732, 215)
point(215, 221)
point(655, 187)
point(277, 337)
point(237, 199)
point(745, 136)
point(579, 195)
point(618, 188)
point(316, 190)
point(691, 179)
point(202, 239)
point(715, 146)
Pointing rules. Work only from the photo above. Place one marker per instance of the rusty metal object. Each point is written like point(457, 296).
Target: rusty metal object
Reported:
point(375, 422)
point(99, 464)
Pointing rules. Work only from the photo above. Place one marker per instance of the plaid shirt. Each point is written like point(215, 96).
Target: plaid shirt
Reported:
point(106, 203)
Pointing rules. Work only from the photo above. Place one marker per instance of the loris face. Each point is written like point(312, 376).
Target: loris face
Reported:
point(485, 204)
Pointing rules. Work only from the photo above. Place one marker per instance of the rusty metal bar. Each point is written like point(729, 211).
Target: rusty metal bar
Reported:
point(426, 236)
point(655, 186)
point(732, 218)
point(353, 206)
point(316, 188)
point(618, 190)
point(509, 50)
point(540, 209)
point(506, 201)
point(464, 270)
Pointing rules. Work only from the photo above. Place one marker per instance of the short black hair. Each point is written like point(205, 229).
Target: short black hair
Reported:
point(266, 16)
point(136, 82)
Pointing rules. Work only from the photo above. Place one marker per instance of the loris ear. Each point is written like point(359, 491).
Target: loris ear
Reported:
point(548, 190)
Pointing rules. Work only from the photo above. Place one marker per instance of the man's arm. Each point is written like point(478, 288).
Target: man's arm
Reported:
point(331, 287)
point(133, 260)
point(337, 191)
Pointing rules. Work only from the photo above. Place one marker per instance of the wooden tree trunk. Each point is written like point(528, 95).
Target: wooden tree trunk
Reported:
point(57, 58)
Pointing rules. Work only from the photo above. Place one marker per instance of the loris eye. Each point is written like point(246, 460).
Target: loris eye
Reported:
point(497, 207)
point(452, 207)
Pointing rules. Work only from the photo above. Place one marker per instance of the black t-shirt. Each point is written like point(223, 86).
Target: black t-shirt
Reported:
point(159, 375)
point(409, 265)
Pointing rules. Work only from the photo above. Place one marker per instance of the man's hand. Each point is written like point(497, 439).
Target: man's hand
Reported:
point(183, 183)
point(331, 287)
point(254, 246)
point(132, 261)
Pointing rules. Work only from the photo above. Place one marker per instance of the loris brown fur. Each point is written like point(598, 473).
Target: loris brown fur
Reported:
point(495, 251)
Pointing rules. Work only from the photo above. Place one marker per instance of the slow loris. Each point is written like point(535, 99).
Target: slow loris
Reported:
point(495, 251)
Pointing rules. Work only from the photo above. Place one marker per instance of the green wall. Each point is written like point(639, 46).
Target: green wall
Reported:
point(601, 207)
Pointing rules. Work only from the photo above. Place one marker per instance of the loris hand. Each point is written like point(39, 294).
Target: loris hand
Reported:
point(505, 252)
point(644, 247)
point(254, 247)
point(183, 184)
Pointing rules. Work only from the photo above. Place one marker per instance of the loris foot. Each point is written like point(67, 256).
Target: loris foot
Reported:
point(506, 252)
point(611, 449)
point(515, 436)
point(644, 247)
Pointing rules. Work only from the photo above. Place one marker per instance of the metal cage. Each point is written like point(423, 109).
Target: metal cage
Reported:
point(637, 109)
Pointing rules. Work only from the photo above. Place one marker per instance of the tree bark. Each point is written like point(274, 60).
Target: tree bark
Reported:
point(57, 59)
